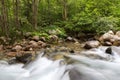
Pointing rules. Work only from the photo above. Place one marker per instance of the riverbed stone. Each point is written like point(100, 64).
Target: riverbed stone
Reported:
point(33, 44)
point(108, 50)
point(36, 38)
point(91, 44)
point(17, 48)
point(107, 43)
point(24, 58)
point(118, 33)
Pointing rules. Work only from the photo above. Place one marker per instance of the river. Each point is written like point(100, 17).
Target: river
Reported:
point(94, 64)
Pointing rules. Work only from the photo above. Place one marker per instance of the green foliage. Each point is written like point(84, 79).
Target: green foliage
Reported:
point(84, 16)
point(104, 24)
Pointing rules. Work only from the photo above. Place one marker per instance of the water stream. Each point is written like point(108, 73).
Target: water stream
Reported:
point(101, 66)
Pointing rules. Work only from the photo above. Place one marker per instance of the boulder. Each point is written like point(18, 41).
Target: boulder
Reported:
point(28, 34)
point(1, 47)
point(24, 58)
point(69, 38)
point(118, 33)
point(107, 43)
point(17, 48)
point(53, 38)
point(116, 43)
point(91, 44)
point(35, 38)
point(43, 39)
point(107, 36)
point(33, 44)
point(108, 50)
point(53, 32)
point(11, 54)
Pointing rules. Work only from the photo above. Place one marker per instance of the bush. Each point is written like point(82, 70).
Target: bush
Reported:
point(103, 24)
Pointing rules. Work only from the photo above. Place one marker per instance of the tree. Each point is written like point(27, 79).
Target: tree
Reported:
point(4, 18)
point(65, 16)
point(35, 12)
point(16, 12)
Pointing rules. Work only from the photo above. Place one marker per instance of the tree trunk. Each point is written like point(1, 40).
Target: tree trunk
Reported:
point(16, 13)
point(65, 9)
point(35, 12)
point(4, 18)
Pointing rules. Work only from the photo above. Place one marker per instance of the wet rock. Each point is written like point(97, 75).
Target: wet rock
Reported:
point(108, 50)
point(35, 38)
point(12, 61)
point(91, 44)
point(17, 48)
point(24, 58)
point(72, 51)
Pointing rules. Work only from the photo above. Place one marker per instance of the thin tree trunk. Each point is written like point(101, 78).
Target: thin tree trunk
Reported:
point(65, 9)
point(4, 18)
point(16, 13)
point(35, 12)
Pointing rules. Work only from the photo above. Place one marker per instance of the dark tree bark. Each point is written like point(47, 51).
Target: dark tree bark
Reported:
point(16, 12)
point(4, 18)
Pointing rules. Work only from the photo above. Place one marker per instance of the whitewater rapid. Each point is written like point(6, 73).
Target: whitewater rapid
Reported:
point(93, 64)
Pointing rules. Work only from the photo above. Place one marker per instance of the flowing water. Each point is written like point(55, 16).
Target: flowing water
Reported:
point(93, 64)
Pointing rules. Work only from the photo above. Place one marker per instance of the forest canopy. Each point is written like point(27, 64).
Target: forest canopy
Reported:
point(70, 16)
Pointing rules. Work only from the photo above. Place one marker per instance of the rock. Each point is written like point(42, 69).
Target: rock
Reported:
point(116, 43)
point(58, 57)
point(1, 47)
point(69, 39)
point(33, 44)
point(27, 48)
point(35, 38)
point(12, 61)
point(24, 58)
point(43, 39)
point(107, 43)
point(110, 32)
point(106, 37)
point(40, 42)
point(11, 54)
point(30, 49)
point(53, 38)
point(91, 44)
point(110, 37)
point(118, 33)
point(17, 48)
point(72, 51)
point(44, 45)
point(28, 34)
point(108, 50)
point(53, 32)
